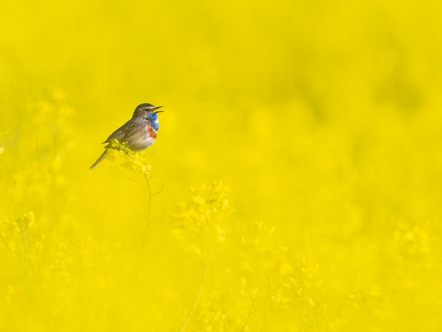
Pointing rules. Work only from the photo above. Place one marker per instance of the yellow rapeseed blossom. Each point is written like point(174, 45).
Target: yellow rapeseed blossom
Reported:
point(320, 121)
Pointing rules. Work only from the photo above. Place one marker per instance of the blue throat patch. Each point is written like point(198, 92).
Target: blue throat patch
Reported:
point(153, 119)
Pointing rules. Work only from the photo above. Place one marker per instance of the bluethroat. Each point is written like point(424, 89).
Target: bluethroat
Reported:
point(139, 133)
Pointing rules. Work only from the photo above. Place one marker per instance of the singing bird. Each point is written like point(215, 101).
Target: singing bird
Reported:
point(139, 133)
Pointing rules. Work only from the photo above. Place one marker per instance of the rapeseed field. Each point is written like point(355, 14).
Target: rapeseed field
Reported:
point(295, 184)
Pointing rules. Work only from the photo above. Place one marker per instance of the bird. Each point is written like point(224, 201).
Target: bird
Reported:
point(139, 133)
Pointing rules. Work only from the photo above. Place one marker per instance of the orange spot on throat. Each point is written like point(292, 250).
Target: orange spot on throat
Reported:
point(151, 131)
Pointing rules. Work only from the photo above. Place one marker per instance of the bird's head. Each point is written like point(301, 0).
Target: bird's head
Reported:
point(147, 111)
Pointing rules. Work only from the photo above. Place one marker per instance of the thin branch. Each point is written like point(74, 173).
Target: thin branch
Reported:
point(149, 205)
point(206, 272)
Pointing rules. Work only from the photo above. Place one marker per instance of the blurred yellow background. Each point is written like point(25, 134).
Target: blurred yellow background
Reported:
point(320, 121)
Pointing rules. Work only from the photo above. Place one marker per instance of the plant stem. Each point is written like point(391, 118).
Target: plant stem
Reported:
point(206, 272)
point(149, 205)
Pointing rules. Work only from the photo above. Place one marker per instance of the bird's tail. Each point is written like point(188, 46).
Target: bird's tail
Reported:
point(99, 160)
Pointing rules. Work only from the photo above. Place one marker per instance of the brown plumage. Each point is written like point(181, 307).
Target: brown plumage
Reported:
point(139, 132)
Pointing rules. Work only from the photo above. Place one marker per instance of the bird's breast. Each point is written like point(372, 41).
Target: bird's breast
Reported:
point(146, 140)
point(151, 131)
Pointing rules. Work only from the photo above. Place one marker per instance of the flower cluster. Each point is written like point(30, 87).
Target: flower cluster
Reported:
point(131, 160)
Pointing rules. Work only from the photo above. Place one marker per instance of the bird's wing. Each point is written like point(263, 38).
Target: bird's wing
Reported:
point(127, 130)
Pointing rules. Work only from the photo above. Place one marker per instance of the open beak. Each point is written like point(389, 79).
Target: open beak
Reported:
point(158, 108)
